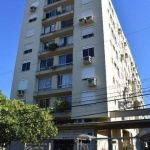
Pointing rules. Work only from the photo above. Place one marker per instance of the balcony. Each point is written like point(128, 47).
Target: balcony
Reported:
point(59, 51)
point(61, 114)
point(52, 93)
point(59, 17)
point(58, 33)
point(55, 70)
point(57, 4)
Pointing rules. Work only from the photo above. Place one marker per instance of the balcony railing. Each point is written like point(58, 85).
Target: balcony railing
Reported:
point(52, 93)
point(56, 3)
point(54, 71)
point(59, 51)
point(57, 33)
point(59, 17)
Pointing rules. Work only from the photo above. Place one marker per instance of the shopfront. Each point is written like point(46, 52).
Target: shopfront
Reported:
point(66, 139)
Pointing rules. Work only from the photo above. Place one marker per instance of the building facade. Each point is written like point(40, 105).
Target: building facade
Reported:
point(75, 51)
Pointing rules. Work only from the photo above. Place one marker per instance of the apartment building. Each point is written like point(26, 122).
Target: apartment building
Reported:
point(75, 51)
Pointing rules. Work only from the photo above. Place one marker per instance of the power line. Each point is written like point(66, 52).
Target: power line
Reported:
point(95, 103)
point(133, 32)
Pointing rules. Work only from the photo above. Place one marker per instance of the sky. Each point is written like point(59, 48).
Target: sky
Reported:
point(134, 16)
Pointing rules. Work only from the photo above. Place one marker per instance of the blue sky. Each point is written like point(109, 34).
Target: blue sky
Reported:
point(134, 15)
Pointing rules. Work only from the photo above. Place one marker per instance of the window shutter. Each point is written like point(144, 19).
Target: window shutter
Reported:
point(33, 16)
point(47, 29)
point(36, 4)
point(86, 1)
point(87, 31)
point(23, 84)
point(87, 13)
point(30, 32)
point(88, 72)
point(88, 97)
point(28, 47)
point(84, 31)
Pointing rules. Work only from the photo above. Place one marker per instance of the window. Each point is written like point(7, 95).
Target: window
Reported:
point(88, 51)
point(51, 13)
point(67, 40)
point(52, 1)
point(28, 48)
point(87, 32)
point(45, 45)
point(68, 98)
point(65, 80)
point(67, 8)
point(88, 72)
point(87, 13)
point(23, 84)
point(65, 60)
point(45, 84)
point(30, 32)
point(50, 28)
point(86, 1)
point(33, 17)
point(66, 23)
point(46, 64)
point(26, 66)
point(43, 103)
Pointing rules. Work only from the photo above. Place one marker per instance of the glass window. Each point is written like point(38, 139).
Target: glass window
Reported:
point(68, 98)
point(50, 28)
point(66, 23)
point(45, 45)
point(65, 81)
point(88, 52)
point(67, 8)
point(44, 84)
point(26, 66)
point(68, 40)
point(65, 60)
point(43, 103)
point(46, 64)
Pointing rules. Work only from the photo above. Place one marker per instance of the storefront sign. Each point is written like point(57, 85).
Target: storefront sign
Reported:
point(73, 134)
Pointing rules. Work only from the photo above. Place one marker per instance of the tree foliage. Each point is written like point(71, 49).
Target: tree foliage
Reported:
point(62, 105)
point(25, 123)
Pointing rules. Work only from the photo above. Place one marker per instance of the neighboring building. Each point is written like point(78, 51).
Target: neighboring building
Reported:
point(75, 50)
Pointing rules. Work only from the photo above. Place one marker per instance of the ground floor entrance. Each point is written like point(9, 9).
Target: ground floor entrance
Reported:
point(64, 144)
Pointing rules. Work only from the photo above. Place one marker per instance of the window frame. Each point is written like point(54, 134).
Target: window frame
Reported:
point(45, 88)
point(26, 66)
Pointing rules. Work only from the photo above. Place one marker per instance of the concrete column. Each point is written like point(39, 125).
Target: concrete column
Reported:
point(54, 83)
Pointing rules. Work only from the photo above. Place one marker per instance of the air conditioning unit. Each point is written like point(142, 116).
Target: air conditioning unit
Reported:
point(125, 43)
point(87, 60)
point(122, 57)
point(20, 92)
point(82, 21)
point(126, 55)
point(32, 8)
point(119, 31)
point(89, 19)
point(91, 82)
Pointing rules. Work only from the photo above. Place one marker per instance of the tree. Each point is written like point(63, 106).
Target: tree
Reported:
point(25, 123)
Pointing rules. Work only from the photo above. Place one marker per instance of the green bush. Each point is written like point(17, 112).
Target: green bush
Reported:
point(62, 105)
point(52, 46)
